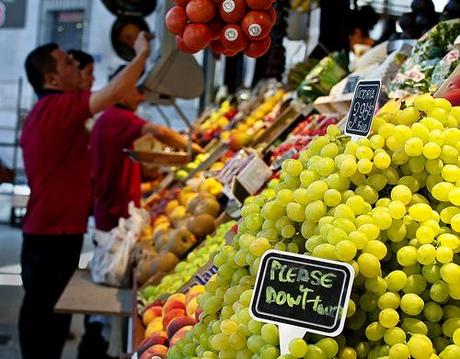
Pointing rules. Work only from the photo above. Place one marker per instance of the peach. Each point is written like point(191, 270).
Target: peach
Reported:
point(180, 334)
point(156, 350)
point(171, 315)
point(173, 304)
point(157, 338)
point(194, 291)
point(151, 313)
point(176, 296)
point(178, 323)
point(153, 328)
point(192, 305)
point(198, 311)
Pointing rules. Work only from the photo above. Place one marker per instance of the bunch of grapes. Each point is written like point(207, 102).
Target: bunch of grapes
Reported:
point(390, 206)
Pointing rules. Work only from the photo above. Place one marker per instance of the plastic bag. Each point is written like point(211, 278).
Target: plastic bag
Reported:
point(112, 263)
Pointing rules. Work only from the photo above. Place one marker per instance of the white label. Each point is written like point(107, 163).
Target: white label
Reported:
point(231, 34)
point(228, 6)
point(254, 175)
point(255, 30)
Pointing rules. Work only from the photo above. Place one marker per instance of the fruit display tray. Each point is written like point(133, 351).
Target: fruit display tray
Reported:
point(159, 158)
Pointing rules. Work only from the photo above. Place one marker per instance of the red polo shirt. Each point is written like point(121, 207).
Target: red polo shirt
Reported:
point(56, 159)
point(117, 179)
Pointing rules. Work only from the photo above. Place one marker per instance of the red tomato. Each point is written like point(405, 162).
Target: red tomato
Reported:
point(216, 27)
point(259, 4)
point(197, 36)
point(201, 11)
point(232, 11)
point(181, 45)
point(258, 48)
point(176, 19)
point(217, 47)
point(272, 12)
point(230, 53)
point(181, 2)
point(257, 25)
point(233, 38)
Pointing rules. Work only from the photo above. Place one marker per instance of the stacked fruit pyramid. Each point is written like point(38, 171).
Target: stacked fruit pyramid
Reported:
point(390, 206)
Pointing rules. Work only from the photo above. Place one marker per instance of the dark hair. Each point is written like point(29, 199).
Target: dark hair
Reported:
point(364, 18)
point(39, 63)
point(84, 59)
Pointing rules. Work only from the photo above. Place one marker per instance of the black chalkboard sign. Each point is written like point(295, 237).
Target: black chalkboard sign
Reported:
point(351, 83)
point(362, 108)
point(302, 291)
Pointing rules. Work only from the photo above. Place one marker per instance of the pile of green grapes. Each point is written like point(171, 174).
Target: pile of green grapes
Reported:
point(390, 206)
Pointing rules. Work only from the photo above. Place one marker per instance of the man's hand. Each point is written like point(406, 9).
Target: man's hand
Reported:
point(142, 44)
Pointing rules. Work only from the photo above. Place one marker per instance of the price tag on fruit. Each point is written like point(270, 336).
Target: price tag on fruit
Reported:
point(359, 122)
point(301, 294)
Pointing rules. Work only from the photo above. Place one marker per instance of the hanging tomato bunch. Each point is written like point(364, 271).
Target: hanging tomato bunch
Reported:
point(227, 27)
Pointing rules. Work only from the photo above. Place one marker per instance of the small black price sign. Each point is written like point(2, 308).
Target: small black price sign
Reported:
point(351, 83)
point(362, 108)
point(302, 291)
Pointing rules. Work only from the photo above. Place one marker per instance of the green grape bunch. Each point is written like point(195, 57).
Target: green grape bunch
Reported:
point(389, 205)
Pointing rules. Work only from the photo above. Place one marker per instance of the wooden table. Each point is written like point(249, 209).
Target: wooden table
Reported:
point(86, 297)
point(83, 296)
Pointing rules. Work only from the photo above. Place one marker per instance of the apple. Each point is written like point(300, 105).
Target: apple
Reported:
point(151, 313)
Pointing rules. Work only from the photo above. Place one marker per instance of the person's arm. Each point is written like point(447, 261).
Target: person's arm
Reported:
point(169, 137)
point(125, 80)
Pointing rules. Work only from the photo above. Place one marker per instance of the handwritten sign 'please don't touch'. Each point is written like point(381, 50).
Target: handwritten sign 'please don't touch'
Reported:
point(309, 293)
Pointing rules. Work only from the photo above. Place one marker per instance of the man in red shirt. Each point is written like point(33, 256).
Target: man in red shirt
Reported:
point(57, 165)
point(117, 179)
